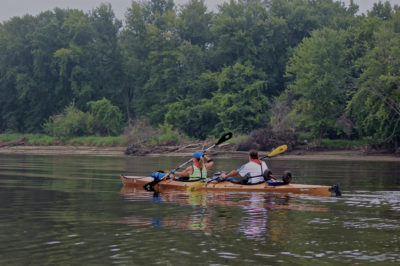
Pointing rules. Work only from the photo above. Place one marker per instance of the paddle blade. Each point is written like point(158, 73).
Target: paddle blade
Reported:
point(224, 138)
point(278, 150)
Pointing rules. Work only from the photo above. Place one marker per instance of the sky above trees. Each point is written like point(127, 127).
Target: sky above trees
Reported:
point(11, 8)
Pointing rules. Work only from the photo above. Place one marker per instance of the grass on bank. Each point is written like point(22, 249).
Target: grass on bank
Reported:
point(109, 141)
point(335, 143)
point(43, 140)
point(342, 143)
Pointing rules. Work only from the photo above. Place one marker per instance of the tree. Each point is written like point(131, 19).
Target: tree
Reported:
point(381, 10)
point(196, 119)
point(150, 43)
point(296, 20)
point(193, 23)
point(16, 73)
point(375, 105)
point(107, 118)
point(319, 71)
point(106, 65)
point(237, 105)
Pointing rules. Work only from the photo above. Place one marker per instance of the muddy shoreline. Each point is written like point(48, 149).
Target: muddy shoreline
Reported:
point(333, 155)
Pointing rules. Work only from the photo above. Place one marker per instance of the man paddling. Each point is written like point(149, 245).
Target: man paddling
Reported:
point(198, 170)
point(252, 172)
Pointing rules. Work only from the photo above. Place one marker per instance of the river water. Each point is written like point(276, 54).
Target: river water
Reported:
point(74, 210)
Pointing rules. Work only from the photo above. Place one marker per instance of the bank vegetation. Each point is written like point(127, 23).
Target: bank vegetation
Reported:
point(305, 72)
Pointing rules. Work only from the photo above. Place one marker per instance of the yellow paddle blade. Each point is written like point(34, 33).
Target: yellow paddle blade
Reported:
point(278, 150)
point(195, 187)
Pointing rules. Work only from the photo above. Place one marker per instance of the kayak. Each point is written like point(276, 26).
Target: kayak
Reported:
point(168, 184)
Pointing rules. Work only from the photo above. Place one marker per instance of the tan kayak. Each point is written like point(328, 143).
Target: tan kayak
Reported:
point(314, 190)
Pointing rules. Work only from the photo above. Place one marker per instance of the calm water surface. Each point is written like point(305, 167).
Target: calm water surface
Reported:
point(74, 210)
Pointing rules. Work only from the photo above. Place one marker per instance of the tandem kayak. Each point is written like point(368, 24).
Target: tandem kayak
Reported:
point(168, 184)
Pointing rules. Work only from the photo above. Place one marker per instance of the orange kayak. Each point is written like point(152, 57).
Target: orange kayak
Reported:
point(314, 190)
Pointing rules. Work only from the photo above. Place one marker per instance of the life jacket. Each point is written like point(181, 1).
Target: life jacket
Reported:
point(253, 171)
point(198, 173)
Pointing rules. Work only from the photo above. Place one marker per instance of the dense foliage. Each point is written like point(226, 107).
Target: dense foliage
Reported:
point(313, 66)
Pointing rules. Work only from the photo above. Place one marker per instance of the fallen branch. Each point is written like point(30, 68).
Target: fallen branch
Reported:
point(14, 143)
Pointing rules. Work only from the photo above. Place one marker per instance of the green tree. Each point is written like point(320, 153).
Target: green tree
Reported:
point(238, 104)
point(193, 23)
point(150, 43)
point(381, 10)
point(375, 105)
point(107, 118)
point(319, 72)
point(106, 74)
point(90, 66)
point(16, 73)
point(196, 119)
point(296, 20)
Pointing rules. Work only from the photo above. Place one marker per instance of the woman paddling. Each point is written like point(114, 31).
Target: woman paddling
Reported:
point(198, 170)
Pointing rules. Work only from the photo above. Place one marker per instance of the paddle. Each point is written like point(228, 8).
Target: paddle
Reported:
point(273, 153)
point(150, 186)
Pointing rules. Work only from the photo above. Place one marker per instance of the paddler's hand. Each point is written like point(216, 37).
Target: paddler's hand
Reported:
point(172, 173)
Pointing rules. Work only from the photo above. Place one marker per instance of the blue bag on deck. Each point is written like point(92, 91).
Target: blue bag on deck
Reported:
point(275, 183)
point(157, 175)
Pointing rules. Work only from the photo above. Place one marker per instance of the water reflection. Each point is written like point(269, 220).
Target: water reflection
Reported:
point(206, 214)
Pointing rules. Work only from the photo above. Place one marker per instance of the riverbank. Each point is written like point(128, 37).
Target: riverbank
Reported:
point(333, 155)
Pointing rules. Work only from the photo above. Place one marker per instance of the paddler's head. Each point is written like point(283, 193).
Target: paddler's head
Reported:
point(253, 154)
point(197, 156)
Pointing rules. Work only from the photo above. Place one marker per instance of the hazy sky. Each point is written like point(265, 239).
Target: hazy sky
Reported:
point(11, 8)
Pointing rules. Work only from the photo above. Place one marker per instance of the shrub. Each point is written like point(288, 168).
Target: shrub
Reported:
point(266, 139)
point(167, 136)
point(72, 122)
point(143, 133)
point(139, 132)
point(107, 118)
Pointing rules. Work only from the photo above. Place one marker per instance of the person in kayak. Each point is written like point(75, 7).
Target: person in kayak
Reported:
point(252, 172)
point(198, 170)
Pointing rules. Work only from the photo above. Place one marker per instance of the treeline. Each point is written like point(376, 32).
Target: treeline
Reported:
point(311, 66)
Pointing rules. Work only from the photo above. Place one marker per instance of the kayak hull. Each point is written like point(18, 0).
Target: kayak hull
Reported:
point(314, 190)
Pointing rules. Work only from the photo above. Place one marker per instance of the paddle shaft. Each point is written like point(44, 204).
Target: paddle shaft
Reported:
point(262, 158)
point(222, 139)
point(188, 161)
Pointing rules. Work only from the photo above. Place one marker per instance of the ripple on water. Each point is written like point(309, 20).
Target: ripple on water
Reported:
point(227, 255)
point(391, 199)
point(376, 257)
point(379, 224)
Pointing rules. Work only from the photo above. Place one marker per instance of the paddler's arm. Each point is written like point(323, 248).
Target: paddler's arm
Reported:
point(230, 174)
point(188, 171)
point(209, 162)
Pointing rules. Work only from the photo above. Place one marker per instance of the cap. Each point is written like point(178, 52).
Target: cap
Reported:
point(198, 154)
